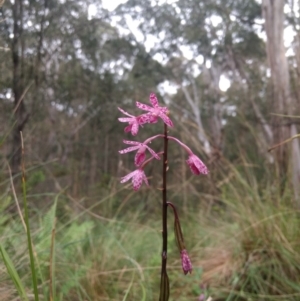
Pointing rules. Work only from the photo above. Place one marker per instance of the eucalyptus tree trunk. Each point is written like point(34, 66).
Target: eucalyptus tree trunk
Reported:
point(284, 103)
point(194, 103)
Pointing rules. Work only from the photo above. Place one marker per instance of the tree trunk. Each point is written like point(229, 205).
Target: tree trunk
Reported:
point(195, 106)
point(283, 102)
point(94, 158)
point(19, 112)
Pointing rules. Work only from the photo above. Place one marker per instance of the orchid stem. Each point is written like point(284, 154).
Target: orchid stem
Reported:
point(164, 205)
point(187, 149)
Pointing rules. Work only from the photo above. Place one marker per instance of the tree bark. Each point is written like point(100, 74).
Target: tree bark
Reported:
point(195, 106)
point(273, 12)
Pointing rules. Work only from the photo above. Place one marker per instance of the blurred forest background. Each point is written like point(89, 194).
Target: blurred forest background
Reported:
point(229, 73)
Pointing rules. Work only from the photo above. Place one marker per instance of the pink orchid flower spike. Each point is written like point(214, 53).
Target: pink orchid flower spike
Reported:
point(156, 111)
point(137, 176)
point(134, 122)
point(141, 151)
point(196, 165)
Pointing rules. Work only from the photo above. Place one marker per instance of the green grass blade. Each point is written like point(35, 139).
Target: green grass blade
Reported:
point(128, 290)
point(144, 291)
point(13, 274)
point(26, 218)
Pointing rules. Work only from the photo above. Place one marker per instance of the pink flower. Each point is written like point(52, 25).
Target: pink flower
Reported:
point(151, 118)
point(141, 151)
point(156, 111)
point(186, 262)
point(134, 122)
point(201, 297)
point(196, 165)
point(138, 176)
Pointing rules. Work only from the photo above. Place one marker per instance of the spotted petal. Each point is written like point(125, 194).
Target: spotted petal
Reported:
point(153, 153)
point(143, 107)
point(139, 158)
point(196, 165)
point(138, 176)
point(129, 149)
point(155, 111)
point(152, 118)
point(153, 100)
point(128, 128)
point(125, 119)
point(124, 112)
point(132, 142)
point(166, 119)
point(129, 176)
point(134, 128)
point(144, 118)
point(145, 179)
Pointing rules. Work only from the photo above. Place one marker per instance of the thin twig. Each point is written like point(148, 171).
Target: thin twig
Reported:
point(284, 142)
point(21, 98)
point(15, 196)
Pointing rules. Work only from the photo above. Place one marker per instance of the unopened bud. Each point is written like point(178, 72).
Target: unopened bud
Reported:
point(186, 262)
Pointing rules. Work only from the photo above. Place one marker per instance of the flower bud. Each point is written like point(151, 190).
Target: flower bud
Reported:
point(186, 262)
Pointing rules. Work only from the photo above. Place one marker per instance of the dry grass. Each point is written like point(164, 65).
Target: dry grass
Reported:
point(219, 265)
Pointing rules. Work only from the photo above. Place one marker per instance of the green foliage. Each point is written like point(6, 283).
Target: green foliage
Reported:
point(120, 259)
point(43, 238)
point(13, 274)
point(35, 178)
point(5, 201)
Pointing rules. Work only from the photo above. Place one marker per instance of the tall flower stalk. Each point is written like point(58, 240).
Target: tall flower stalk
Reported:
point(164, 285)
point(138, 176)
